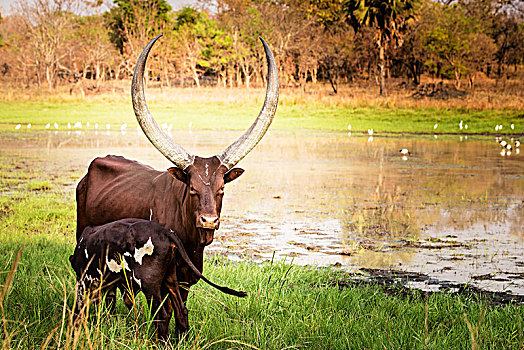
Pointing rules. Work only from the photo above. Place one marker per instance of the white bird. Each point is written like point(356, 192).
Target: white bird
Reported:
point(517, 143)
point(500, 126)
point(435, 136)
point(55, 124)
point(48, 125)
point(370, 131)
point(77, 125)
point(87, 124)
point(466, 126)
point(69, 125)
point(435, 126)
point(96, 125)
point(123, 127)
point(108, 126)
point(164, 126)
point(349, 126)
point(18, 126)
point(506, 145)
point(190, 125)
point(460, 125)
point(512, 126)
point(29, 126)
point(405, 151)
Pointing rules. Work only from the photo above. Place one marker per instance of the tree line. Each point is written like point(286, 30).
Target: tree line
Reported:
point(52, 42)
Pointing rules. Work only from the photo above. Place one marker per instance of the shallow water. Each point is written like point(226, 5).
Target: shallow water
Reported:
point(452, 210)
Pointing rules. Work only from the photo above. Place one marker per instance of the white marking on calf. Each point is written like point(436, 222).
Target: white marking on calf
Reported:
point(114, 266)
point(87, 256)
point(124, 262)
point(137, 280)
point(147, 249)
point(150, 214)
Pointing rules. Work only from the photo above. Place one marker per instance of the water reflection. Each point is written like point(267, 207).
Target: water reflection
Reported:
point(453, 209)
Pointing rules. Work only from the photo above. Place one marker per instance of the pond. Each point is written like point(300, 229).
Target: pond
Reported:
point(453, 209)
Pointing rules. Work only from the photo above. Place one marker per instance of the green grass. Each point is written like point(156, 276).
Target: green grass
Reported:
point(220, 115)
point(287, 306)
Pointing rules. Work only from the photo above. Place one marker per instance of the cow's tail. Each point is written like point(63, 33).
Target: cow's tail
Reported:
point(180, 247)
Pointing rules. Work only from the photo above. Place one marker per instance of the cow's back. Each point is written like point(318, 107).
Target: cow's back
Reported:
point(115, 188)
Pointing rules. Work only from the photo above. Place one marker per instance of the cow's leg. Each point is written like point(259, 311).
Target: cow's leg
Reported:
point(168, 304)
point(177, 301)
point(154, 298)
point(81, 219)
point(111, 299)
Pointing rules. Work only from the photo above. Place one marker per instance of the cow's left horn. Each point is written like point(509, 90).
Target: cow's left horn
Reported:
point(241, 147)
point(165, 144)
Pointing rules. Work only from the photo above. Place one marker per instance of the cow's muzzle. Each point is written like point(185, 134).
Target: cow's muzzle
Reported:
point(208, 222)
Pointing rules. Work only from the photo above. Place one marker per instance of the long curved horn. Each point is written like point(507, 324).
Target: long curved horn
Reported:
point(241, 147)
point(165, 144)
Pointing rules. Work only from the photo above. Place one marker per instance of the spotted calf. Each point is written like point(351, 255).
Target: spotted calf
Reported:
point(135, 255)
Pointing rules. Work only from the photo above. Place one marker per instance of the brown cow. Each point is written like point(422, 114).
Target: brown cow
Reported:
point(188, 197)
point(135, 255)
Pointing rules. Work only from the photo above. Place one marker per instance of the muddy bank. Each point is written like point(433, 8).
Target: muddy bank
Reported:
point(401, 283)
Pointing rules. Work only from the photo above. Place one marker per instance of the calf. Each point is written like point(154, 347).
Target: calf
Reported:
point(135, 255)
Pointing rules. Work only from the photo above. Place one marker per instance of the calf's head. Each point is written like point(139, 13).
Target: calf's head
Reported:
point(204, 177)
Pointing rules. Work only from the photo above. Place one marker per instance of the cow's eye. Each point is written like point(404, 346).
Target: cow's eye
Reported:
point(192, 191)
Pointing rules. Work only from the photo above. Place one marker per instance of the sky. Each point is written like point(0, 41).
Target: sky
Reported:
point(5, 5)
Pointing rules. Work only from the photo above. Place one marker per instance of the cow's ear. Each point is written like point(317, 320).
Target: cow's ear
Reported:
point(179, 174)
point(233, 174)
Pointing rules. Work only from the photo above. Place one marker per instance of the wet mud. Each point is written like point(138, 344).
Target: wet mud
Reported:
point(409, 283)
point(452, 211)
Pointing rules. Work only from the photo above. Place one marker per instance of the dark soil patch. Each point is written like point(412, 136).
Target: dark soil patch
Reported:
point(395, 283)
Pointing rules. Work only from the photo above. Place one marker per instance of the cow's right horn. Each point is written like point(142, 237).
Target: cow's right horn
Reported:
point(165, 144)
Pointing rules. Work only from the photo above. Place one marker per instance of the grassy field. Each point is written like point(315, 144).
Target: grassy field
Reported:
point(287, 306)
point(236, 109)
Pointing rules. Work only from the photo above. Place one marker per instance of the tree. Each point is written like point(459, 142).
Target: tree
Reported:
point(46, 30)
point(133, 23)
point(389, 18)
point(193, 40)
point(456, 43)
point(94, 48)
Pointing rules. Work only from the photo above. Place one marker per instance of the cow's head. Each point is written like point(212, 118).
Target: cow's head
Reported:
point(204, 177)
point(205, 180)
